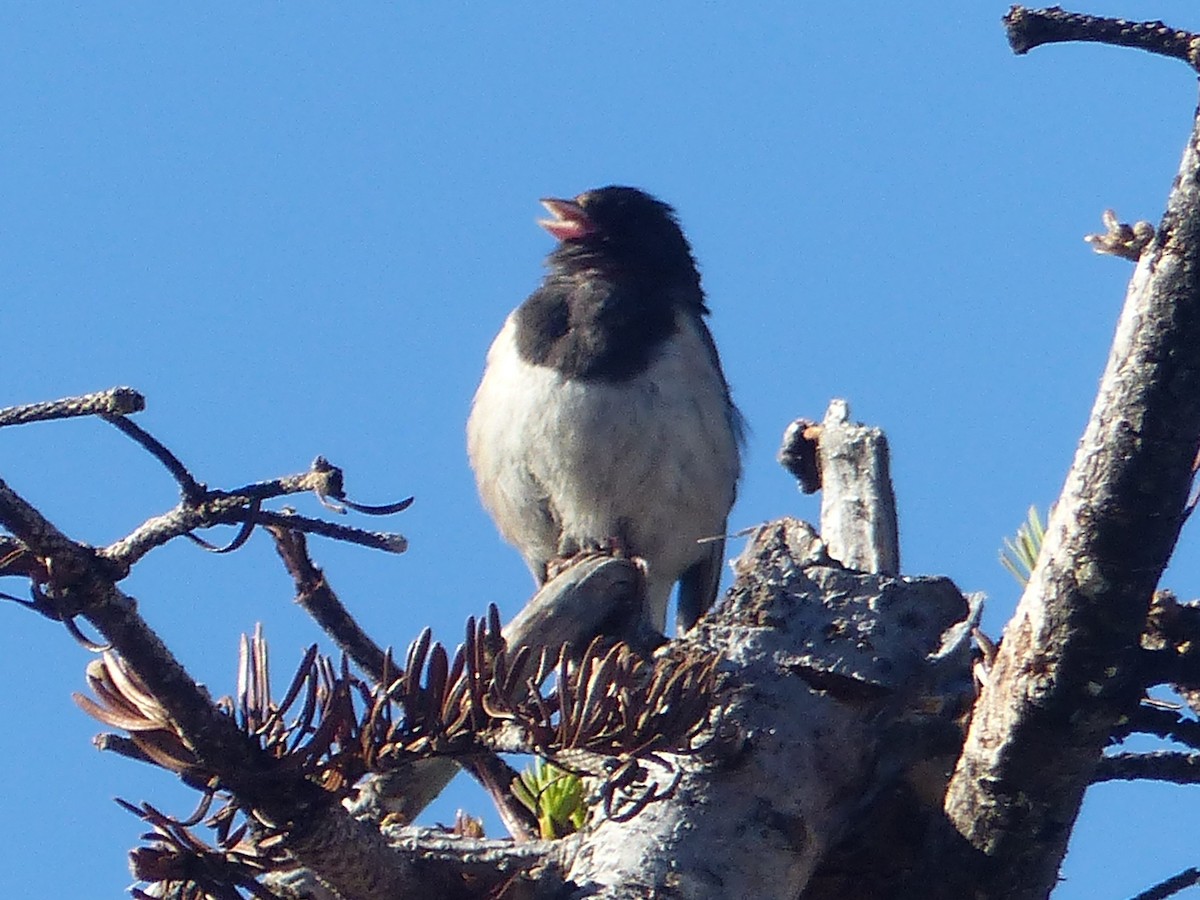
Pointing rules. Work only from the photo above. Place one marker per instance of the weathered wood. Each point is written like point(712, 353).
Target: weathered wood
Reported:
point(482, 863)
point(858, 507)
point(1065, 672)
point(826, 691)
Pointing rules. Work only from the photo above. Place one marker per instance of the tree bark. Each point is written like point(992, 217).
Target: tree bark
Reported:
point(1065, 672)
point(839, 686)
point(825, 668)
point(858, 506)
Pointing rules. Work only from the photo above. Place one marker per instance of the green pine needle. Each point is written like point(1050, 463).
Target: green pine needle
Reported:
point(558, 798)
point(1020, 553)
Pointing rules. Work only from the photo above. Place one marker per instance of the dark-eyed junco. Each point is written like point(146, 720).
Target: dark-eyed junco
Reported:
point(603, 415)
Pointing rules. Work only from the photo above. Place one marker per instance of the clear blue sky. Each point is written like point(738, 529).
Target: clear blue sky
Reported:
point(297, 228)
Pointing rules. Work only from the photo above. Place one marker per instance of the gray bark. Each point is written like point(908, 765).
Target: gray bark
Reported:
point(858, 508)
point(839, 686)
point(1065, 673)
point(825, 668)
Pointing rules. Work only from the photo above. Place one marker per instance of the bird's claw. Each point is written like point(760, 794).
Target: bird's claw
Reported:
point(613, 547)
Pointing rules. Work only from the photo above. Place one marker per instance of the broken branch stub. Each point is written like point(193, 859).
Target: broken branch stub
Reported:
point(858, 507)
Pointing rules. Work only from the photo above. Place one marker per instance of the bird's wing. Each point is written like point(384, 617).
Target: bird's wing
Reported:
point(698, 586)
point(736, 421)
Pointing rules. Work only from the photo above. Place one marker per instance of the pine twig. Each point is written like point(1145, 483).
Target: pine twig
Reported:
point(1030, 28)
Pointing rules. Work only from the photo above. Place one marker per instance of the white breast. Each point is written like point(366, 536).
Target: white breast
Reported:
point(652, 459)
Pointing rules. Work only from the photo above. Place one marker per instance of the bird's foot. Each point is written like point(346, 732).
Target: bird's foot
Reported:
point(577, 552)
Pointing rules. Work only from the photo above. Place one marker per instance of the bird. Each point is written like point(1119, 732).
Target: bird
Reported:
point(603, 417)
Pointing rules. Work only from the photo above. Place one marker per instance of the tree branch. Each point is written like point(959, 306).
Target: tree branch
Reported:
point(1030, 28)
point(316, 597)
point(1161, 765)
point(241, 506)
point(1163, 723)
point(119, 401)
point(858, 507)
point(350, 855)
point(200, 507)
point(1067, 668)
point(1173, 885)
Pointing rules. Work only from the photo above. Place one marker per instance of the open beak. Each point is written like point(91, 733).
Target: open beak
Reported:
point(570, 222)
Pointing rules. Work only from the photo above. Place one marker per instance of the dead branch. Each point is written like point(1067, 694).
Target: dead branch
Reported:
point(243, 505)
point(73, 580)
point(119, 401)
point(858, 507)
point(1161, 765)
point(1030, 28)
point(1068, 665)
point(317, 598)
point(1171, 886)
point(1163, 723)
point(319, 832)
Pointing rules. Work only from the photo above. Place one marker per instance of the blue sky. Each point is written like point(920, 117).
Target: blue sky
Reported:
point(296, 229)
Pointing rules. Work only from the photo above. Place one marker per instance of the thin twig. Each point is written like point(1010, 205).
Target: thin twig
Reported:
point(322, 835)
point(1173, 885)
point(496, 777)
point(1163, 765)
point(118, 401)
point(317, 598)
point(1162, 723)
point(200, 507)
point(1030, 28)
point(376, 540)
point(192, 490)
point(240, 506)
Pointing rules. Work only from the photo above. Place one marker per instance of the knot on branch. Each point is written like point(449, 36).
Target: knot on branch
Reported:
point(1121, 239)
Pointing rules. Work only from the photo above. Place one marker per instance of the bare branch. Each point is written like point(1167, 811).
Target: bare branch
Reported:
point(1163, 723)
point(388, 541)
point(317, 598)
point(858, 507)
point(1162, 765)
point(241, 506)
point(191, 489)
point(1173, 885)
point(1030, 28)
point(1068, 668)
point(119, 401)
point(321, 835)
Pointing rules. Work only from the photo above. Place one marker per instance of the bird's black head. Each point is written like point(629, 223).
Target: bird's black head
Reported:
point(623, 233)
